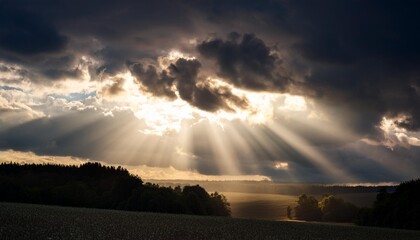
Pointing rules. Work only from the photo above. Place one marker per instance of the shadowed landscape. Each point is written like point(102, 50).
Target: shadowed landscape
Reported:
point(23, 221)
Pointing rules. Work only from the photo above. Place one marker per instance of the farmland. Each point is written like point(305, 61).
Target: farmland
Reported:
point(26, 221)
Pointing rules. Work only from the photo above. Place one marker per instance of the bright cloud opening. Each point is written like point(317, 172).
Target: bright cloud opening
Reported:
point(281, 165)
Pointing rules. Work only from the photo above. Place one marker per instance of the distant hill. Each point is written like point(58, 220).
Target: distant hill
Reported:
point(95, 186)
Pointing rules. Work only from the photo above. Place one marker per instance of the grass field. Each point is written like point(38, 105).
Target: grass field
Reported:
point(25, 221)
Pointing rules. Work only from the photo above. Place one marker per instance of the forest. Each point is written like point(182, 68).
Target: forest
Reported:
point(92, 185)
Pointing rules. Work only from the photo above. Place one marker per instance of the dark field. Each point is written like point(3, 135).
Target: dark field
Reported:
point(25, 221)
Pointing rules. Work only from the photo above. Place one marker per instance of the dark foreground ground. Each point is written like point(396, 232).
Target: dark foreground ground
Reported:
point(26, 221)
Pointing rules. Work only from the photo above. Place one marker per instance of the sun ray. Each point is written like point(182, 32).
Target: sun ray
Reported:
point(243, 148)
point(225, 157)
point(327, 166)
point(384, 157)
point(129, 139)
point(259, 148)
point(183, 156)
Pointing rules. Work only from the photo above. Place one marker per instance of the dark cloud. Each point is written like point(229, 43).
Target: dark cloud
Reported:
point(159, 84)
point(384, 30)
point(212, 98)
point(44, 69)
point(199, 94)
point(186, 73)
point(365, 64)
point(111, 32)
point(183, 76)
point(60, 74)
point(245, 62)
point(32, 40)
point(27, 33)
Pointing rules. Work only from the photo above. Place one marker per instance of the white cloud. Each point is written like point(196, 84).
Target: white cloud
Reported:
point(398, 136)
point(281, 165)
point(16, 107)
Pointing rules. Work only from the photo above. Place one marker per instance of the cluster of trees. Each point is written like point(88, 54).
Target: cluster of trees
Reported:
point(400, 209)
point(97, 186)
point(328, 209)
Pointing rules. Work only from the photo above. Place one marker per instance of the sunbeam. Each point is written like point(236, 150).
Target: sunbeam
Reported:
point(220, 145)
point(327, 166)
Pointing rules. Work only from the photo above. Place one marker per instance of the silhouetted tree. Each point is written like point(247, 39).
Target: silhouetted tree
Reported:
point(307, 208)
point(197, 200)
point(219, 205)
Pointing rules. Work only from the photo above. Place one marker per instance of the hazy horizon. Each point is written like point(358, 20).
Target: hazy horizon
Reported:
point(157, 175)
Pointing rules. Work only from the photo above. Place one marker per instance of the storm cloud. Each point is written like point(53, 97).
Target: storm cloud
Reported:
point(244, 61)
point(367, 64)
point(159, 84)
point(203, 97)
point(183, 76)
point(26, 33)
point(355, 62)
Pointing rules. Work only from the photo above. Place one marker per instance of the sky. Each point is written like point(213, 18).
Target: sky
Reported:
point(290, 91)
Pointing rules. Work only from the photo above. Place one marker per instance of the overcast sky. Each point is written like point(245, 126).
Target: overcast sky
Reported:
point(304, 91)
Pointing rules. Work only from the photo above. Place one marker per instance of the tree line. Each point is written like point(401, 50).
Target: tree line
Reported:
point(398, 209)
point(95, 186)
point(328, 209)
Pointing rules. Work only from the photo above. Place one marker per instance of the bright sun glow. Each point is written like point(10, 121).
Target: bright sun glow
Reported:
point(294, 103)
point(164, 116)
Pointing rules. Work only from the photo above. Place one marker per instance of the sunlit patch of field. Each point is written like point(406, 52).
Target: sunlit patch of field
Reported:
point(273, 206)
point(260, 205)
point(26, 221)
